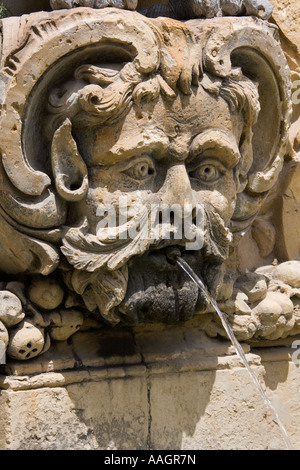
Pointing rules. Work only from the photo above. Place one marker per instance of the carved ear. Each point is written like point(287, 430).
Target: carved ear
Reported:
point(69, 169)
point(251, 45)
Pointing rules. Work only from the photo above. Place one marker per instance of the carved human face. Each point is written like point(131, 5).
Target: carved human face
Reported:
point(182, 153)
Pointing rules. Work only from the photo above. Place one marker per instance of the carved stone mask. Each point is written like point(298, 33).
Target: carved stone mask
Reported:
point(142, 117)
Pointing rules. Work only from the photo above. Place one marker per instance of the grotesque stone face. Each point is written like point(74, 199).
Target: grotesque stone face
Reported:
point(181, 155)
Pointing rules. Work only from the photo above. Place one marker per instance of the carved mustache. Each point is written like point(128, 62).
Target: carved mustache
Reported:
point(113, 246)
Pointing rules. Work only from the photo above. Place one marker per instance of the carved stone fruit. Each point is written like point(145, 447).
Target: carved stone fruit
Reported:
point(26, 341)
point(10, 309)
point(3, 334)
point(69, 322)
point(253, 285)
point(46, 293)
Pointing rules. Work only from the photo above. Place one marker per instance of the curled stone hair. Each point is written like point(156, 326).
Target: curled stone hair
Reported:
point(102, 95)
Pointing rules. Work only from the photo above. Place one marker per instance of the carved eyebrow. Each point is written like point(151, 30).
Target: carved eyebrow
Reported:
point(216, 143)
point(153, 140)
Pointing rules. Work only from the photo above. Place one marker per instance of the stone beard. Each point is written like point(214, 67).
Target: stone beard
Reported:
point(180, 150)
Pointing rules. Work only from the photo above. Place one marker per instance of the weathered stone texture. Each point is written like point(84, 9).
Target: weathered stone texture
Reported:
point(114, 416)
point(198, 398)
point(77, 144)
point(163, 112)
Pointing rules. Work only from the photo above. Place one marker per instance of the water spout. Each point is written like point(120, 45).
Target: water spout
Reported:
point(174, 255)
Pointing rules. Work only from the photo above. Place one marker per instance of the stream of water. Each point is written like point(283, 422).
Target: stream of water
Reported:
point(237, 346)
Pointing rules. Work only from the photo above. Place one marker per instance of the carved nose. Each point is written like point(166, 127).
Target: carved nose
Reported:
point(177, 188)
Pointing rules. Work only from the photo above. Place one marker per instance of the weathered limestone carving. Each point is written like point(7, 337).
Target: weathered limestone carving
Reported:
point(264, 304)
point(128, 113)
point(180, 10)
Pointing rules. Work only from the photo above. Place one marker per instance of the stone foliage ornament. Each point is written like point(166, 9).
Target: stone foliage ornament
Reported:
point(116, 117)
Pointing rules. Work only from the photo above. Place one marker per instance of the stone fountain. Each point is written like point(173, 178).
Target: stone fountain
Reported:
point(127, 130)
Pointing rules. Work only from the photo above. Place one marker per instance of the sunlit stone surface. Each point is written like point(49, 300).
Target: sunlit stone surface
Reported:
point(134, 135)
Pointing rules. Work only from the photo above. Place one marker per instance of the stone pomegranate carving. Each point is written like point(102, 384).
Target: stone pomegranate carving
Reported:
point(128, 114)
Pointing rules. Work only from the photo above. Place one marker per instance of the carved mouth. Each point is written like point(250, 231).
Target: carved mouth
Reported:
point(156, 258)
point(159, 290)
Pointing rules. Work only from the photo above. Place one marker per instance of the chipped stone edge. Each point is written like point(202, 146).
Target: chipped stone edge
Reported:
point(55, 379)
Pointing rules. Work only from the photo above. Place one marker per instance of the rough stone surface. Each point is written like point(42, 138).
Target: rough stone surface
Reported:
point(69, 322)
point(61, 245)
point(288, 272)
point(11, 310)
point(26, 341)
point(3, 334)
point(76, 134)
point(46, 293)
point(151, 398)
point(180, 10)
point(113, 417)
point(253, 285)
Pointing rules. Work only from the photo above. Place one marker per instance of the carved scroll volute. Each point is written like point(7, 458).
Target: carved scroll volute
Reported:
point(62, 34)
point(250, 45)
point(33, 194)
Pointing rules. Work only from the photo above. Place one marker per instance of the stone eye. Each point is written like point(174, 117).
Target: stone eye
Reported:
point(207, 173)
point(140, 170)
